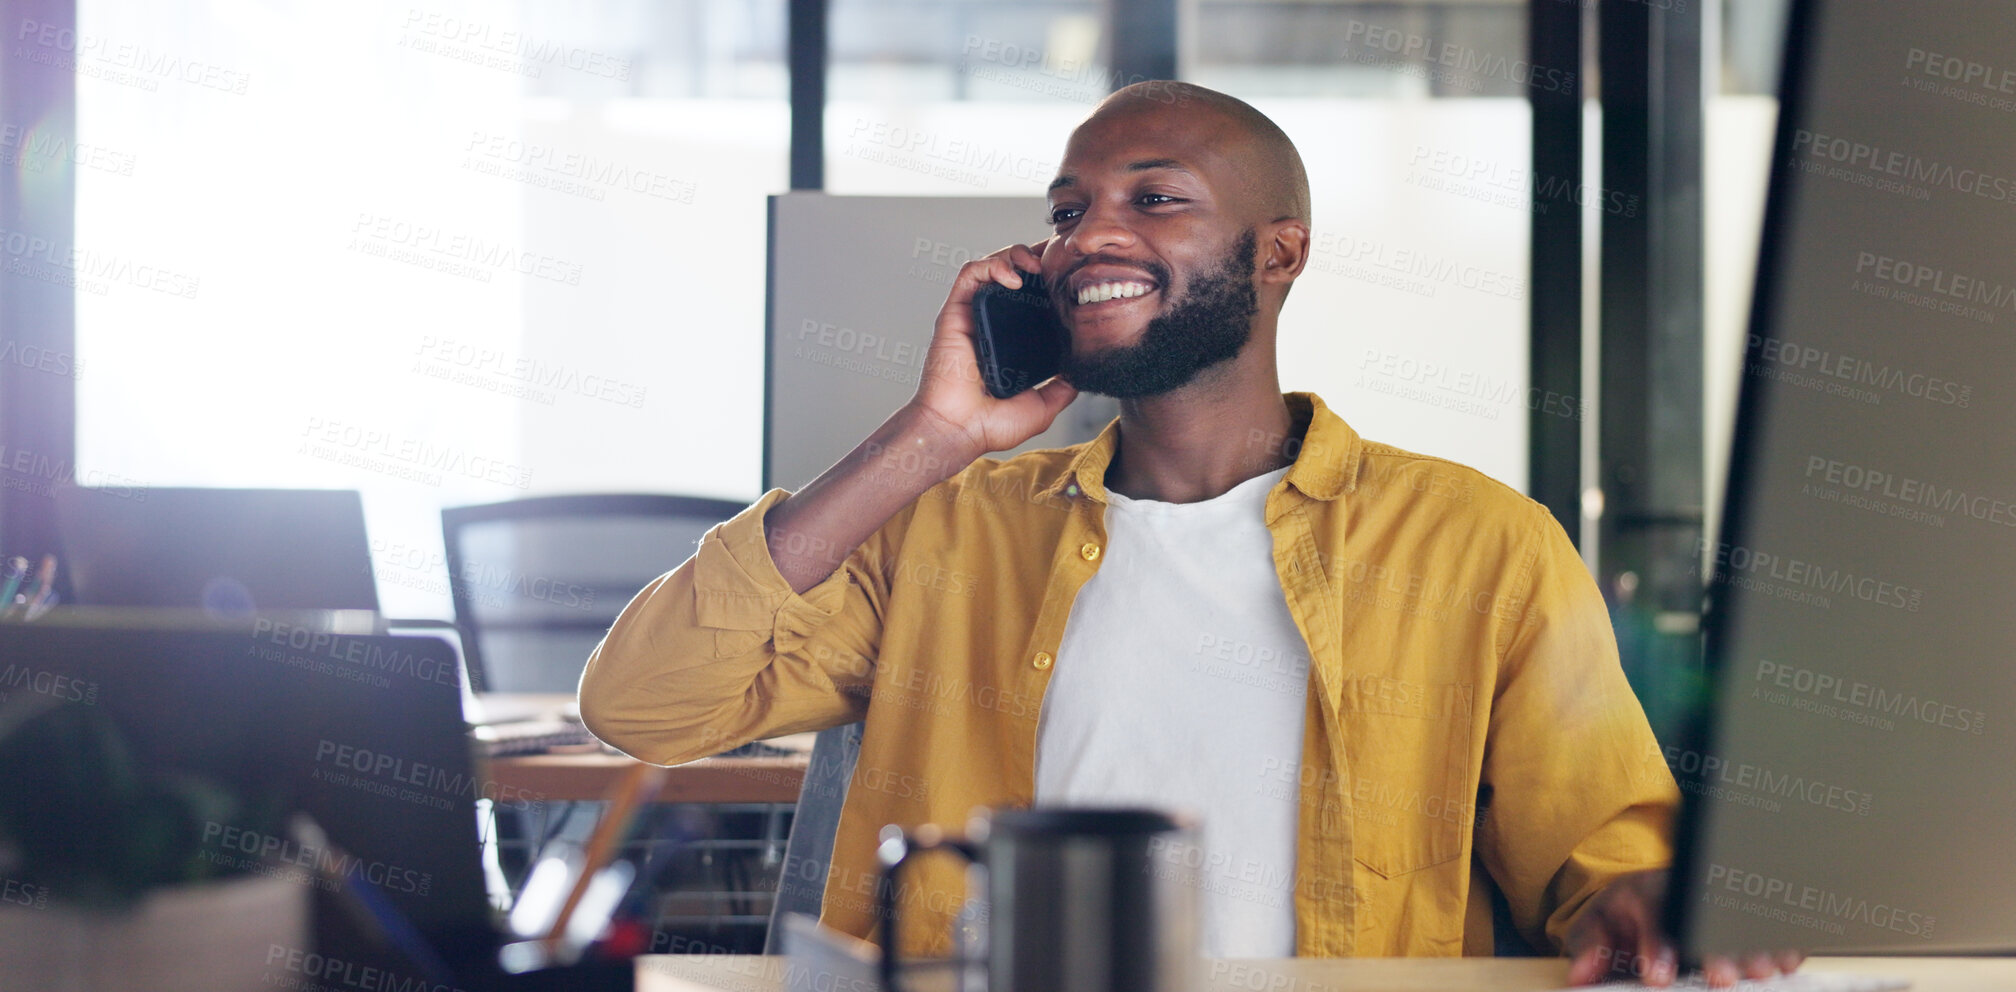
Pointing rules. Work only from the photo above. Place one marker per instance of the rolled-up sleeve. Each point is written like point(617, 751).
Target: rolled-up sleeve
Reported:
point(1578, 792)
point(720, 651)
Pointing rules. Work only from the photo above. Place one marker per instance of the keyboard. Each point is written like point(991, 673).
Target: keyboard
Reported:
point(1798, 981)
point(503, 740)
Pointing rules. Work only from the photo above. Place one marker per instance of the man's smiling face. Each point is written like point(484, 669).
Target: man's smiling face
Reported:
point(1151, 267)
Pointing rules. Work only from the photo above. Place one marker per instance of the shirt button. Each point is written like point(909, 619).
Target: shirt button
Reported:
point(1090, 552)
point(1041, 661)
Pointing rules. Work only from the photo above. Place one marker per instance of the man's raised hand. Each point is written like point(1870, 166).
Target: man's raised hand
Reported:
point(951, 389)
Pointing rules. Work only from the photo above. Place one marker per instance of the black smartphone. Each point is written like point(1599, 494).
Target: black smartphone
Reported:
point(1020, 340)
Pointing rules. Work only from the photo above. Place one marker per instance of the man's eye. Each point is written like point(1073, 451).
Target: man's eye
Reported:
point(1159, 197)
point(1062, 214)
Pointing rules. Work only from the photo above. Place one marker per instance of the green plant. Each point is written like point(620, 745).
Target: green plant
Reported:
point(98, 828)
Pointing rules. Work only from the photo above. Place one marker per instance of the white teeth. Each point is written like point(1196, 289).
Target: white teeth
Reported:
point(1101, 292)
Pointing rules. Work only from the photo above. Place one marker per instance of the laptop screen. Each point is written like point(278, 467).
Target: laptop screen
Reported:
point(230, 551)
point(226, 736)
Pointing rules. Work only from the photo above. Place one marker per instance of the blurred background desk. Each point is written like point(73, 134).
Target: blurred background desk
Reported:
point(694, 973)
point(588, 777)
point(710, 845)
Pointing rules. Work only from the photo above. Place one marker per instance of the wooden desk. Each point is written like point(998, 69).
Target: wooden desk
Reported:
point(587, 776)
point(709, 897)
point(572, 777)
point(694, 973)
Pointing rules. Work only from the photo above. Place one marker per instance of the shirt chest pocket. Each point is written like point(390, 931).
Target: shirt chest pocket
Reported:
point(1408, 748)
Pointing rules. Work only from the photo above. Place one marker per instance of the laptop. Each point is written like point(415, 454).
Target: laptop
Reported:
point(232, 552)
point(359, 733)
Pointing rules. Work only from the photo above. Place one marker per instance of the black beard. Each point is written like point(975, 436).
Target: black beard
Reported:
point(1207, 326)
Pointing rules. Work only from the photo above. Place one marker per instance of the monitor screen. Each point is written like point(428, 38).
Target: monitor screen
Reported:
point(856, 283)
point(1843, 793)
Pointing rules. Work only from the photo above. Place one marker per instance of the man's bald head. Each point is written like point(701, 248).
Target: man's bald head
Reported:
point(1201, 203)
point(1276, 185)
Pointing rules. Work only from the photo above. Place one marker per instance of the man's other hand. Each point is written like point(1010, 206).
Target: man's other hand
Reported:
point(1620, 936)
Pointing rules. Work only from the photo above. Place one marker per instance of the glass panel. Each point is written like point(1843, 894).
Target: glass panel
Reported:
point(961, 99)
point(1411, 118)
point(1355, 49)
point(1739, 124)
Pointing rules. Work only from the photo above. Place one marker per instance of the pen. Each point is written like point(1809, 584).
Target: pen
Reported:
point(16, 571)
point(43, 604)
point(637, 787)
point(45, 582)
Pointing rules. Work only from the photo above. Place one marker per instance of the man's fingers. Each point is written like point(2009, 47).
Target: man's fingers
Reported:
point(1719, 971)
point(1057, 394)
point(1586, 967)
point(1025, 258)
point(1619, 935)
point(1614, 932)
point(1007, 274)
point(971, 277)
point(1581, 950)
point(1015, 262)
point(1627, 933)
point(1722, 971)
point(1656, 963)
point(1758, 964)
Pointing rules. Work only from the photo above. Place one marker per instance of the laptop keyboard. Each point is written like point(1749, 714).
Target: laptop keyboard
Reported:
point(503, 740)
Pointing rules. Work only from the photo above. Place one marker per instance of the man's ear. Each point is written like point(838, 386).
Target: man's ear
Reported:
point(1284, 250)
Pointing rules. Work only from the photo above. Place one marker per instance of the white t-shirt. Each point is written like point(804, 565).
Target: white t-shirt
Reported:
point(1180, 684)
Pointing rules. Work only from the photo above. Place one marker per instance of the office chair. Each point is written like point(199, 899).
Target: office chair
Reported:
point(536, 584)
point(809, 850)
point(538, 581)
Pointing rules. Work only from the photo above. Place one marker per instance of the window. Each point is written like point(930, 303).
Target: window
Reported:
point(1412, 121)
point(956, 98)
point(441, 252)
point(1738, 122)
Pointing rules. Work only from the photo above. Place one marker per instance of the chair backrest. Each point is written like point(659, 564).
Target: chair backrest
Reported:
point(801, 886)
point(538, 581)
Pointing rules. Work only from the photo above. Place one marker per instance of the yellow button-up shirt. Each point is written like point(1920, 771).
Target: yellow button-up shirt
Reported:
point(1465, 708)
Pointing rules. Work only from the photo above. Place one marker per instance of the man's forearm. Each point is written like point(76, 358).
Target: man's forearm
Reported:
point(812, 532)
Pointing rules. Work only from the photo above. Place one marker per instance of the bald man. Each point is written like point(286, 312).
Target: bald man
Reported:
point(1384, 683)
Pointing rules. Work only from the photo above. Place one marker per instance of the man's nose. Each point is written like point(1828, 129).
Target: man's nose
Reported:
point(1099, 228)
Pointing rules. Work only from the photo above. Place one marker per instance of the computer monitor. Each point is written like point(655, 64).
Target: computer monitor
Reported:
point(228, 551)
point(362, 733)
point(854, 288)
point(1846, 790)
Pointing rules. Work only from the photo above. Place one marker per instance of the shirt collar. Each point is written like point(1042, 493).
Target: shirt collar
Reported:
point(1325, 448)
